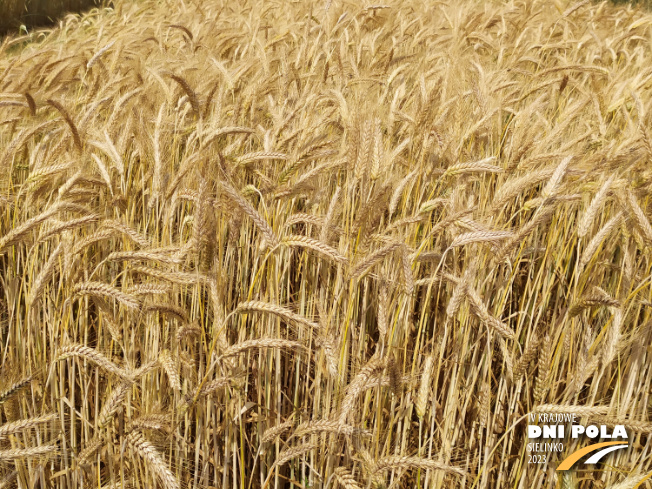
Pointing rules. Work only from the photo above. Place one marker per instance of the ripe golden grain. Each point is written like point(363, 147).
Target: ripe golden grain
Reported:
point(347, 246)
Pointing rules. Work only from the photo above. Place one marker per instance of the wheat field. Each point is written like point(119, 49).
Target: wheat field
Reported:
point(324, 244)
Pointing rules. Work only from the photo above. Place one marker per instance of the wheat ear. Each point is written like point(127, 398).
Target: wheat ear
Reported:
point(24, 424)
point(100, 289)
point(113, 403)
point(247, 208)
point(66, 116)
point(372, 259)
point(262, 343)
point(154, 459)
point(14, 388)
point(643, 427)
point(595, 242)
point(346, 479)
point(594, 207)
point(270, 434)
point(329, 426)
point(19, 232)
point(94, 356)
point(640, 219)
point(293, 452)
point(400, 462)
point(171, 369)
point(571, 409)
point(315, 245)
point(276, 310)
point(19, 453)
point(358, 384)
point(631, 482)
point(479, 308)
point(424, 387)
point(45, 275)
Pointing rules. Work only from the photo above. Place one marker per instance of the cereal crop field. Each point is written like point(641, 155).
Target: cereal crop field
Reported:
point(293, 244)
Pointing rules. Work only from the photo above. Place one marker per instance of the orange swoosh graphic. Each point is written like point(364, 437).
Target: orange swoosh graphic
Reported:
point(575, 456)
